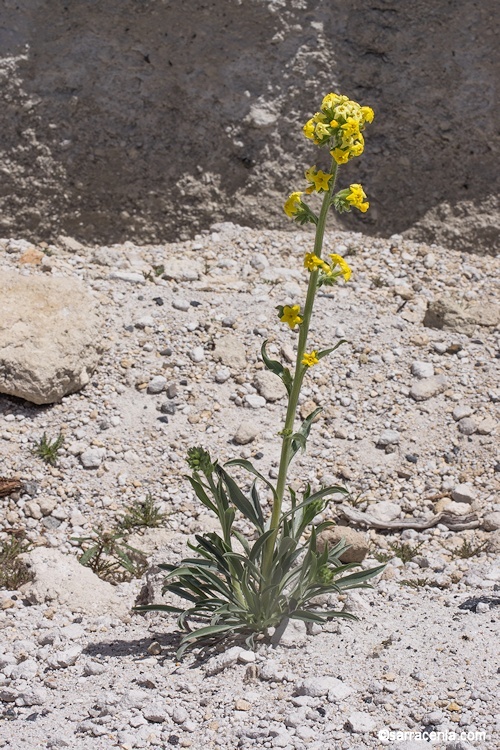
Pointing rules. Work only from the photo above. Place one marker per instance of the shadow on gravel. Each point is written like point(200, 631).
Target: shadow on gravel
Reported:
point(471, 604)
point(169, 643)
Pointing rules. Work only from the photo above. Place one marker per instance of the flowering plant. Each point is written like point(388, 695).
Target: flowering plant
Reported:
point(233, 584)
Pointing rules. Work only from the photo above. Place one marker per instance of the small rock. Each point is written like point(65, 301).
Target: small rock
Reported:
point(34, 696)
point(230, 351)
point(486, 426)
point(131, 278)
point(180, 304)
point(156, 713)
point(385, 511)
point(464, 493)
point(180, 715)
point(358, 545)
point(389, 437)
point(157, 384)
point(430, 260)
point(461, 411)
point(222, 375)
point(197, 354)
point(64, 659)
point(218, 663)
point(291, 634)
point(356, 604)
point(467, 426)
point(422, 369)
point(70, 245)
point(92, 458)
point(428, 387)
point(254, 401)
point(269, 385)
point(456, 509)
point(246, 432)
point(360, 722)
point(315, 687)
point(491, 521)
point(242, 705)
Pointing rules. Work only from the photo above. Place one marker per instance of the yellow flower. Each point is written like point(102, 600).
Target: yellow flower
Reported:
point(334, 124)
point(356, 197)
point(368, 114)
point(340, 156)
point(322, 131)
point(310, 359)
point(318, 178)
point(333, 100)
point(357, 148)
point(309, 129)
point(345, 270)
point(292, 205)
point(291, 315)
point(351, 128)
point(312, 262)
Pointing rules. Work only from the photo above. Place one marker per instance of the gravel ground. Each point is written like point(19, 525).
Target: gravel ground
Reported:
point(408, 426)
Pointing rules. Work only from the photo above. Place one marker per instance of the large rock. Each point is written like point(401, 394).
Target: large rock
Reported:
point(447, 313)
point(106, 173)
point(49, 336)
point(269, 385)
point(357, 541)
point(62, 580)
point(230, 351)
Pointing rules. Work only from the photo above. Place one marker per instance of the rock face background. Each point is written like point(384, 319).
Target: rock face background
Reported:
point(144, 121)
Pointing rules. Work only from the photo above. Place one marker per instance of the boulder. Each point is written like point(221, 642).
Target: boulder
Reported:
point(358, 544)
point(49, 337)
point(61, 579)
point(230, 351)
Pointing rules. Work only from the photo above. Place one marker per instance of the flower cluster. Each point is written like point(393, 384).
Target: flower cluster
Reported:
point(330, 271)
point(353, 196)
point(338, 125)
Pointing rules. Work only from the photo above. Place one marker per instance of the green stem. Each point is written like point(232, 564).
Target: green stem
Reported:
point(300, 370)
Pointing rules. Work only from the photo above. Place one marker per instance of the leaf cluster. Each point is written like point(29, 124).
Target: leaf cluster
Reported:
point(48, 449)
point(13, 572)
point(107, 553)
point(226, 583)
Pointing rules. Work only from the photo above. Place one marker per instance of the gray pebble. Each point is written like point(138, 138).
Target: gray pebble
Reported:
point(157, 384)
point(467, 426)
point(389, 437)
point(461, 411)
point(180, 304)
point(197, 354)
point(254, 401)
point(422, 369)
point(463, 493)
point(92, 458)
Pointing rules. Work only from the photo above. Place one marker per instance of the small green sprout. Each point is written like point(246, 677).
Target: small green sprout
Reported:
point(47, 449)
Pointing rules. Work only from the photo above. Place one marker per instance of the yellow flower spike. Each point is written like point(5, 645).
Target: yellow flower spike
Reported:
point(292, 205)
point(345, 269)
point(340, 156)
point(312, 262)
point(310, 359)
point(356, 197)
point(291, 315)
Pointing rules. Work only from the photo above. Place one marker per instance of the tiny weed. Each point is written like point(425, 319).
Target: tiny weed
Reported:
point(405, 551)
point(159, 270)
point(356, 500)
point(13, 572)
point(379, 282)
point(142, 514)
point(469, 549)
point(350, 252)
point(47, 450)
point(108, 555)
point(415, 583)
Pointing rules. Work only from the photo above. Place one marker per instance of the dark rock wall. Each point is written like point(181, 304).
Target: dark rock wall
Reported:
point(148, 120)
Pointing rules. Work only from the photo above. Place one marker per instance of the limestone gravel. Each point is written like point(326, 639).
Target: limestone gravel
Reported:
point(428, 633)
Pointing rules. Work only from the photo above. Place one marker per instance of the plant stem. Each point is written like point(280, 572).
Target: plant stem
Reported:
point(300, 370)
